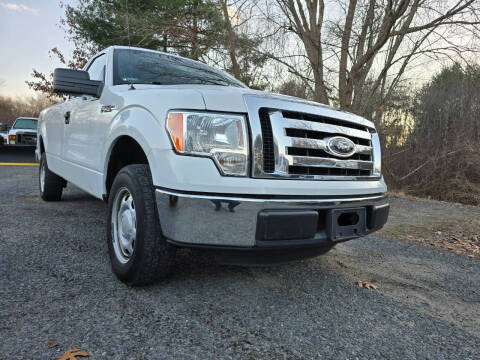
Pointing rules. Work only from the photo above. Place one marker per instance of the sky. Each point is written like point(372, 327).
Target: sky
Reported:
point(28, 30)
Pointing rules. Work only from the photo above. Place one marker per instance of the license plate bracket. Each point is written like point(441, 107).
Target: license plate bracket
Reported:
point(345, 224)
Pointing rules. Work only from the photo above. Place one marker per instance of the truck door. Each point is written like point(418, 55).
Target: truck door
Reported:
point(53, 121)
point(84, 133)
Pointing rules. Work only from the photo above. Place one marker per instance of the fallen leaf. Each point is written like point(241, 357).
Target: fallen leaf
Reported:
point(52, 344)
point(367, 285)
point(72, 354)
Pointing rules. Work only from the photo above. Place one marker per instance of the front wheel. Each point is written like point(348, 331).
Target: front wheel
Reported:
point(139, 253)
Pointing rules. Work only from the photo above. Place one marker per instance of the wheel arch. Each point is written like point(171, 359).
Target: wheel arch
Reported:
point(41, 145)
point(124, 150)
point(140, 125)
point(41, 137)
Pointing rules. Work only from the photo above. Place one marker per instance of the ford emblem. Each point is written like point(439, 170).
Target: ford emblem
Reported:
point(340, 146)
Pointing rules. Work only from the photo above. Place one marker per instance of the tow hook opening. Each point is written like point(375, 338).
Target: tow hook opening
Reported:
point(348, 219)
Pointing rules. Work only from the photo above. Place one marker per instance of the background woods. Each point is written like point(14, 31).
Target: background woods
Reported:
point(408, 65)
point(432, 146)
point(11, 108)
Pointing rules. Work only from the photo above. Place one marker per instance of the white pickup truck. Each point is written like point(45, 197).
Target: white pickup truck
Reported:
point(187, 156)
point(23, 132)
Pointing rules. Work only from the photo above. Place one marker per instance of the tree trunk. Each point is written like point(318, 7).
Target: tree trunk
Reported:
point(320, 92)
point(315, 58)
point(231, 41)
point(345, 83)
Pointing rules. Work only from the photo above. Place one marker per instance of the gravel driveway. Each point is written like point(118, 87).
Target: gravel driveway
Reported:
point(56, 287)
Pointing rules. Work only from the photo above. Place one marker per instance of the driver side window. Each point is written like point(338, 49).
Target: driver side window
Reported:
point(97, 68)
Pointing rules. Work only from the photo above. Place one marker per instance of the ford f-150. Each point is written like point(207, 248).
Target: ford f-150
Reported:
point(185, 155)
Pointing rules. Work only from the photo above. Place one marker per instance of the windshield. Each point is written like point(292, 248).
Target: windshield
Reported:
point(146, 67)
point(30, 124)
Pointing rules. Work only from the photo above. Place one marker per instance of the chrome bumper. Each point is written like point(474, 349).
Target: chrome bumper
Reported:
point(231, 221)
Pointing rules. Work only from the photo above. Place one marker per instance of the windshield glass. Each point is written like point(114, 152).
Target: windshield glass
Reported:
point(145, 67)
point(30, 124)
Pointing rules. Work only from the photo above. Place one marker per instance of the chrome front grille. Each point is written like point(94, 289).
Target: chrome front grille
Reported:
point(26, 138)
point(295, 144)
point(302, 146)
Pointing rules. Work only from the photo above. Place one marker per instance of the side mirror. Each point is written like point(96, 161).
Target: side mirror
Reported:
point(75, 82)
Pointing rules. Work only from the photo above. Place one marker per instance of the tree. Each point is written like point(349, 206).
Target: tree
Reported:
point(43, 83)
point(183, 26)
point(239, 50)
point(294, 88)
point(439, 156)
point(374, 42)
point(204, 30)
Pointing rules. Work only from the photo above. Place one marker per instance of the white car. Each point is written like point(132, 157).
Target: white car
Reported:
point(187, 156)
point(23, 132)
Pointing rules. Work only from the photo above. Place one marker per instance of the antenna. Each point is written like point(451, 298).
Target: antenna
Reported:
point(129, 45)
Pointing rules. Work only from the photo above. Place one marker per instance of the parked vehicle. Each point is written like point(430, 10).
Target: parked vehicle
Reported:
point(187, 156)
point(3, 134)
point(23, 132)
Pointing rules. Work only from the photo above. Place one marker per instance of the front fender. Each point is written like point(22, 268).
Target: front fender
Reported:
point(141, 125)
point(41, 136)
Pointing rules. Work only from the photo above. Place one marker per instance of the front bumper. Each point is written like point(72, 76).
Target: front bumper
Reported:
point(23, 139)
point(253, 222)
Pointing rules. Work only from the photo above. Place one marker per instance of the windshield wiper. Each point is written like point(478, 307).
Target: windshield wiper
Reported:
point(146, 83)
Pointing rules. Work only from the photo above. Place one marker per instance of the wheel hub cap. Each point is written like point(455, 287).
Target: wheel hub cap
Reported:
point(124, 225)
point(42, 177)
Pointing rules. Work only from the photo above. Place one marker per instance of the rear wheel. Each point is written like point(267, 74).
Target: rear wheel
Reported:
point(50, 184)
point(139, 253)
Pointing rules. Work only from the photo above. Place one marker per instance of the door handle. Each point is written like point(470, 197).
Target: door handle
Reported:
point(67, 117)
point(108, 108)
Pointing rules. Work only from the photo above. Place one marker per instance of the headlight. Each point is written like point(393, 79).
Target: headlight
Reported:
point(222, 137)
point(377, 155)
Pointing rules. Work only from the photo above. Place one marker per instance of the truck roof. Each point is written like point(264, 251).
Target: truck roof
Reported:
point(26, 117)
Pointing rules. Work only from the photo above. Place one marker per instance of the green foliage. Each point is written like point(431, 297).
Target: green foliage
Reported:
point(195, 29)
point(250, 60)
point(292, 87)
point(189, 27)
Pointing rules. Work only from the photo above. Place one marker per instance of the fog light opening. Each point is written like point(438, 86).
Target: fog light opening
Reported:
point(348, 219)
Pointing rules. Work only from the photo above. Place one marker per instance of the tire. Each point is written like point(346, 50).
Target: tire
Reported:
point(139, 253)
point(52, 186)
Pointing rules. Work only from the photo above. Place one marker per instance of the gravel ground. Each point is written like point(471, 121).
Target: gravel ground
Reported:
point(445, 226)
point(56, 286)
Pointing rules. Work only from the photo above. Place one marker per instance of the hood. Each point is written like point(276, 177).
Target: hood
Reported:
point(221, 98)
point(22, 131)
point(228, 99)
